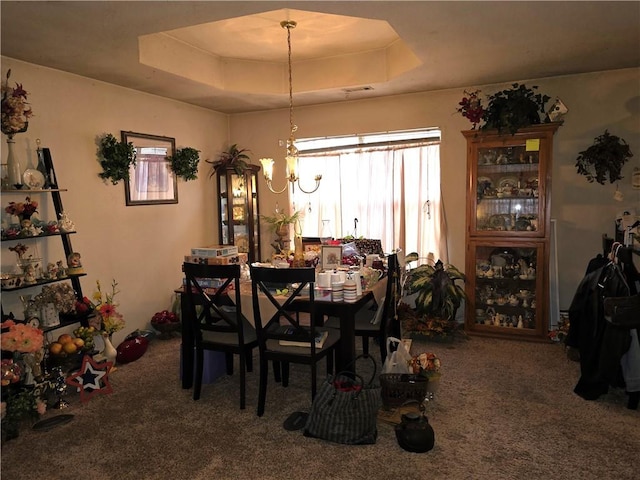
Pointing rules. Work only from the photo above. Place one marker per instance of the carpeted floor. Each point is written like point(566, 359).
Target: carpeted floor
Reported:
point(504, 410)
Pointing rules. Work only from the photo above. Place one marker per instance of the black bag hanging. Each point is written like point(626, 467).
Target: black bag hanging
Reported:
point(345, 409)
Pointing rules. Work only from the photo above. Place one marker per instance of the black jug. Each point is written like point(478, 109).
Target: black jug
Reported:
point(414, 434)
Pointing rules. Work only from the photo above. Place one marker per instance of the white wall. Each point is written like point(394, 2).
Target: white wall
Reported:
point(584, 211)
point(142, 247)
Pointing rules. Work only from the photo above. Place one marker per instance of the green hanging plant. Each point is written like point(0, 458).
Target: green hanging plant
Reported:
point(514, 108)
point(233, 157)
point(604, 159)
point(115, 158)
point(184, 163)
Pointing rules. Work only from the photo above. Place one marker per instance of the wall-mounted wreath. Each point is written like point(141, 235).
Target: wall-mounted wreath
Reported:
point(184, 163)
point(115, 158)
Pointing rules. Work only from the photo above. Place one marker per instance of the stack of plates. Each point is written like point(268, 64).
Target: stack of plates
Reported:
point(350, 291)
point(337, 292)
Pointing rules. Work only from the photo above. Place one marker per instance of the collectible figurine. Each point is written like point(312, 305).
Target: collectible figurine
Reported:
point(74, 263)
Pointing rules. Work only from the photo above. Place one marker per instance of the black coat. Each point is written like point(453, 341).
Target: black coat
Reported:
point(601, 344)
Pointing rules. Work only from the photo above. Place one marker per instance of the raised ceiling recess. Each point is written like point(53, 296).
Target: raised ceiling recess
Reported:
point(249, 54)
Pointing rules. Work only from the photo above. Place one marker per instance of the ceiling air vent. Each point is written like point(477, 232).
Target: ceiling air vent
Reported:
point(357, 89)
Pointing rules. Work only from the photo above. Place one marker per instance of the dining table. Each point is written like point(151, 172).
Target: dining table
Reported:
point(344, 311)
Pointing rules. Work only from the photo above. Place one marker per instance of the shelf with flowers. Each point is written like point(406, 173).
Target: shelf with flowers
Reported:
point(31, 272)
point(22, 353)
point(23, 223)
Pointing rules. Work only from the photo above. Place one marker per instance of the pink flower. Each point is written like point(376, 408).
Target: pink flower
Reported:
point(41, 407)
point(21, 338)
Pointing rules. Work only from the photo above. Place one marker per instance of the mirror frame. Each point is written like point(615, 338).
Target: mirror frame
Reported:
point(137, 191)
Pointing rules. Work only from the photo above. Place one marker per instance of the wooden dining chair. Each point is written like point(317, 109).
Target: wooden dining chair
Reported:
point(216, 325)
point(271, 328)
point(378, 321)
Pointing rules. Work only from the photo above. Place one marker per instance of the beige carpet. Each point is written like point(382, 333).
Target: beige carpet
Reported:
point(504, 410)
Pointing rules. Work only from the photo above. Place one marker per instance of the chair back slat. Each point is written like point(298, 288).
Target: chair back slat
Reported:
point(263, 279)
point(213, 316)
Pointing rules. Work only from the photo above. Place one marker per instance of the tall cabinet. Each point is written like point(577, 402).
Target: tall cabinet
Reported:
point(508, 228)
point(238, 209)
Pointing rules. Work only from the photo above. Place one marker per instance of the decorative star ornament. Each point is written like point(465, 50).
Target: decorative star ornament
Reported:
point(92, 378)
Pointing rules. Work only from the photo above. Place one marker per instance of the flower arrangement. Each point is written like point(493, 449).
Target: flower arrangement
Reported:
point(426, 365)
point(471, 107)
point(112, 320)
point(508, 109)
point(21, 338)
point(22, 209)
point(60, 294)
point(15, 109)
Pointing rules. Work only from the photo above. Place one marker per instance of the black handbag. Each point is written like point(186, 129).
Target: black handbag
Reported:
point(345, 409)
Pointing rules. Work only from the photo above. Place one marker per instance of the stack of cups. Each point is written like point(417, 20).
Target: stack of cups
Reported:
point(337, 288)
point(350, 290)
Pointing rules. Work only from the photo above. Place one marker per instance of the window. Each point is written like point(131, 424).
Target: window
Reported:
point(379, 186)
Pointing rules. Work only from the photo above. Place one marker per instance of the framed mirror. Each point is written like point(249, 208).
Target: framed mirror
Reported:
point(151, 180)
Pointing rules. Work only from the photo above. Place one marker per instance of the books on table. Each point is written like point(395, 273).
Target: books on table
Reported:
point(297, 341)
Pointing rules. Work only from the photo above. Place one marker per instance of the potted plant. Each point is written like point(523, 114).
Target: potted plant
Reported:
point(233, 157)
point(116, 158)
point(184, 163)
point(439, 295)
point(279, 224)
point(604, 159)
point(514, 108)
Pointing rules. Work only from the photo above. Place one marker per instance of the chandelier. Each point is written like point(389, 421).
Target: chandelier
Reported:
point(292, 152)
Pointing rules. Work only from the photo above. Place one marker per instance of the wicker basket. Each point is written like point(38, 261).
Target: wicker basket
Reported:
point(398, 388)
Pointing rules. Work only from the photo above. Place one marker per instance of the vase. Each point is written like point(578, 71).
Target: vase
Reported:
point(49, 316)
point(109, 352)
point(13, 164)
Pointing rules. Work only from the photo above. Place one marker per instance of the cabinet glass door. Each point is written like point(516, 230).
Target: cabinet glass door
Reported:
point(509, 189)
point(504, 286)
point(238, 209)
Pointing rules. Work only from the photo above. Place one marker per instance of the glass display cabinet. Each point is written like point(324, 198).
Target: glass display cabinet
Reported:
point(238, 210)
point(508, 225)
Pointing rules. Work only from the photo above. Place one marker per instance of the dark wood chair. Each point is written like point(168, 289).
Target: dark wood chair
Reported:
point(270, 328)
point(215, 324)
point(379, 321)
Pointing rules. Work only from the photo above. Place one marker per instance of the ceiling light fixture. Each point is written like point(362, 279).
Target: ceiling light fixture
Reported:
point(292, 151)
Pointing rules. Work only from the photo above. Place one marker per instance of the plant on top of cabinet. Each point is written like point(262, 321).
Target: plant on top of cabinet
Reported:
point(232, 157)
point(515, 108)
point(509, 109)
point(604, 159)
point(115, 158)
point(185, 163)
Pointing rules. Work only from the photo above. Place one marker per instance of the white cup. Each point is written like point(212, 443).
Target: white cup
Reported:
point(324, 280)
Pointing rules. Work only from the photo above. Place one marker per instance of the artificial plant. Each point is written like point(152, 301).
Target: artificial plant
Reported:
point(232, 157)
point(184, 163)
point(116, 158)
point(604, 159)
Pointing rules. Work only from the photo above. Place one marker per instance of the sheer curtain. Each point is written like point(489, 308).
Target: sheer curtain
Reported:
point(394, 193)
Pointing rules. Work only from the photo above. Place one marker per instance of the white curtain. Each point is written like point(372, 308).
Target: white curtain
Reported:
point(393, 193)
